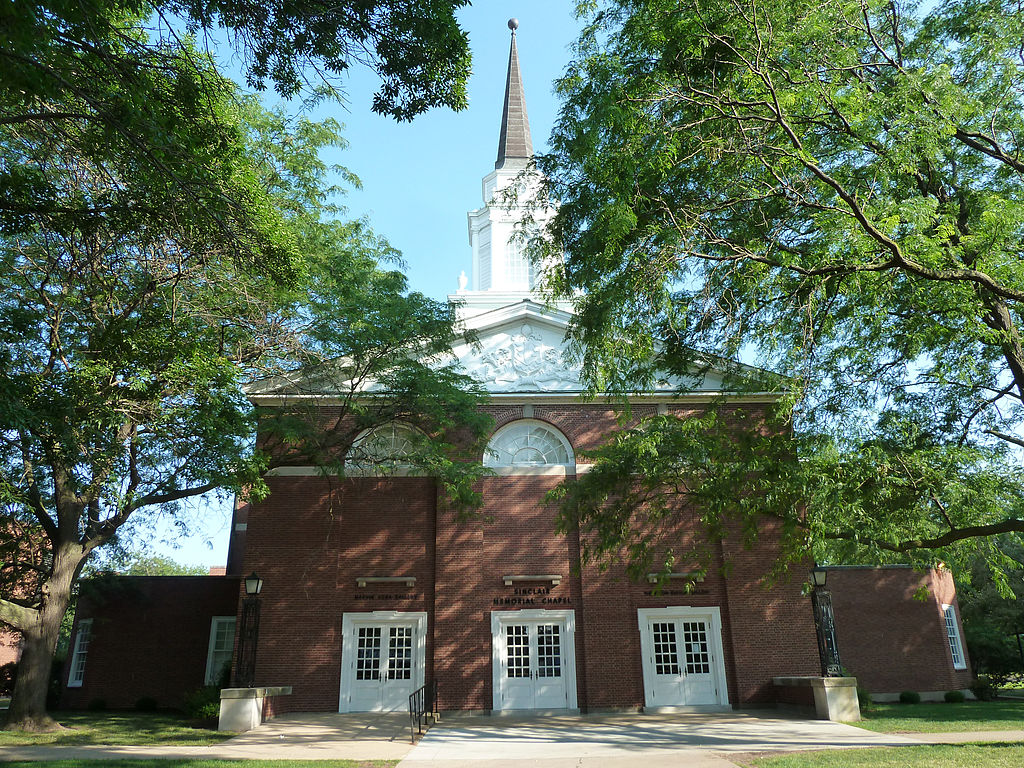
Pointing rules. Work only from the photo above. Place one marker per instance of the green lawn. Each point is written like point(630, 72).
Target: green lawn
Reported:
point(1003, 755)
point(940, 717)
point(119, 728)
point(203, 764)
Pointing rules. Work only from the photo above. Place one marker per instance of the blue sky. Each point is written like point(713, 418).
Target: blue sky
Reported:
point(420, 178)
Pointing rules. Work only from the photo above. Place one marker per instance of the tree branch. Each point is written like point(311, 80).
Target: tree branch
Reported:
point(18, 616)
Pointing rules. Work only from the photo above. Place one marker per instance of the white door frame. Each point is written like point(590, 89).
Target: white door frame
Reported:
point(567, 618)
point(348, 646)
point(644, 617)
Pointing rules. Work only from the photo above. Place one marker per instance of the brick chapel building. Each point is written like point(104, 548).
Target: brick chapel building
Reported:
point(372, 589)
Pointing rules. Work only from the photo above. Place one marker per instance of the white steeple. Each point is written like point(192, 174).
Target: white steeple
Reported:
point(501, 271)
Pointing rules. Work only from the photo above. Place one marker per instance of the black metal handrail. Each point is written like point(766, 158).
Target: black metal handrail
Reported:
point(422, 706)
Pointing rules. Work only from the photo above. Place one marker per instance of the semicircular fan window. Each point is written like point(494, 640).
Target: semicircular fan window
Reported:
point(389, 445)
point(528, 444)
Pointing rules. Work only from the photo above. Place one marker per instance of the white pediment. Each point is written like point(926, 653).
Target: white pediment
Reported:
point(520, 347)
point(516, 348)
point(521, 355)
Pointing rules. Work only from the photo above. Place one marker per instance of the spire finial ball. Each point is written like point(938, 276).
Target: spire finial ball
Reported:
point(513, 24)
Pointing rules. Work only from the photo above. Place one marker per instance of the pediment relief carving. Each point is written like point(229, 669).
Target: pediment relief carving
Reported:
point(522, 359)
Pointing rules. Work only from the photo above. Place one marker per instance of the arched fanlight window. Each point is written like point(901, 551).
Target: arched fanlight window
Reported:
point(528, 443)
point(389, 445)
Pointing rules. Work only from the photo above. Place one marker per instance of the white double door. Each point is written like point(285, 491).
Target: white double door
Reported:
point(383, 660)
point(682, 657)
point(534, 660)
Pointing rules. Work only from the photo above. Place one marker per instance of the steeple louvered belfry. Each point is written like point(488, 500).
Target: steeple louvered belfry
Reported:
point(502, 271)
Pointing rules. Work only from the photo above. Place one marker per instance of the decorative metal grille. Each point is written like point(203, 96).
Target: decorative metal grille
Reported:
point(400, 653)
point(248, 636)
point(695, 641)
point(368, 653)
point(666, 652)
point(824, 624)
point(549, 650)
point(517, 646)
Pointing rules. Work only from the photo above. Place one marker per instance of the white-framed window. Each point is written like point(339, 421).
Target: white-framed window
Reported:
point(528, 443)
point(78, 655)
point(222, 641)
point(956, 648)
point(389, 445)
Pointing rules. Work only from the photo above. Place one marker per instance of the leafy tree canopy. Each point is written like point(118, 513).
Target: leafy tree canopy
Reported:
point(150, 276)
point(833, 189)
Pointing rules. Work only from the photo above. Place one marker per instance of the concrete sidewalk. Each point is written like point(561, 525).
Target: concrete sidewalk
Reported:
point(588, 741)
point(611, 741)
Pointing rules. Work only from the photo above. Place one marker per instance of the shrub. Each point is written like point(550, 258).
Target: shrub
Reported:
point(209, 711)
point(864, 698)
point(146, 704)
point(984, 688)
point(199, 702)
point(954, 697)
point(8, 676)
point(910, 697)
point(97, 705)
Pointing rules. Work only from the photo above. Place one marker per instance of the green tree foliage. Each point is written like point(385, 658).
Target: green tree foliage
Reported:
point(416, 48)
point(992, 609)
point(830, 188)
point(118, 82)
point(164, 243)
point(135, 308)
point(157, 565)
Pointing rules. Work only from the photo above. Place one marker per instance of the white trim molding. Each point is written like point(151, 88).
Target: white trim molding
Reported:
point(214, 670)
point(565, 618)
point(408, 581)
point(80, 654)
point(953, 637)
point(714, 616)
point(349, 622)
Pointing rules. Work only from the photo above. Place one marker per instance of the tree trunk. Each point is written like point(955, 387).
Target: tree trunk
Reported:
point(39, 641)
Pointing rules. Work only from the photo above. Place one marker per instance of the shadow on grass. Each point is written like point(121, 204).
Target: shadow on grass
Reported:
point(115, 728)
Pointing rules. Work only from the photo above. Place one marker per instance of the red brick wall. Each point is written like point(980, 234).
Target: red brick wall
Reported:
point(312, 537)
point(310, 540)
point(150, 636)
point(515, 535)
point(10, 646)
point(890, 640)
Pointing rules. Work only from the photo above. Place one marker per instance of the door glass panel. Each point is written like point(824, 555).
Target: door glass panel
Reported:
point(549, 651)
point(400, 653)
point(368, 653)
point(517, 645)
point(695, 641)
point(666, 651)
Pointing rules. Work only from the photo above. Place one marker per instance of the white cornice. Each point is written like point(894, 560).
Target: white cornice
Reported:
point(544, 398)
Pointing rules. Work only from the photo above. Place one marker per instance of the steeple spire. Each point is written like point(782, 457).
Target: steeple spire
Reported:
point(515, 148)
